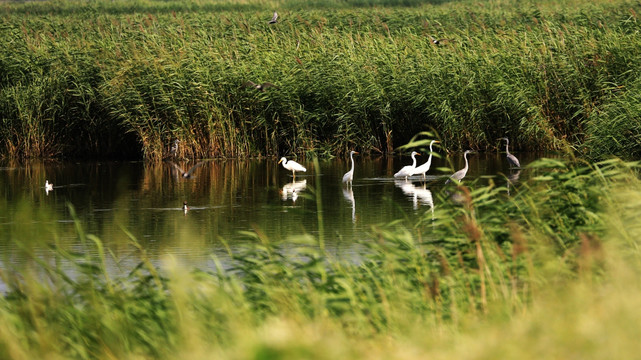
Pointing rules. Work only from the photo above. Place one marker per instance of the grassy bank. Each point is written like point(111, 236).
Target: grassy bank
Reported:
point(126, 78)
point(551, 271)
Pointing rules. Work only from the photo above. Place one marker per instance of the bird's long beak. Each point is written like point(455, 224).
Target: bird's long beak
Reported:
point(355, 152)
point(280, 161)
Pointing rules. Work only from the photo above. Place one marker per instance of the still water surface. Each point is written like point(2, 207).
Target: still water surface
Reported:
point(227, 198)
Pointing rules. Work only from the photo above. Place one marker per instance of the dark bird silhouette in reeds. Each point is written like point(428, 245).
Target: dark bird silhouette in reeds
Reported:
point(260, 87)
point(274, 19)
point(187, 174)
point(436, 41)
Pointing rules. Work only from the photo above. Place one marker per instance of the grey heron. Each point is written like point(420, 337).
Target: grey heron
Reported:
point(187, 174)
point(511, 159)
point(459, 175)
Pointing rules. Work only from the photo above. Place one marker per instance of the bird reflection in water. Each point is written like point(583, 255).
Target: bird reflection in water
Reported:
point(419, 195)
point(348, 194)
point(293, 189)
point(512, 179)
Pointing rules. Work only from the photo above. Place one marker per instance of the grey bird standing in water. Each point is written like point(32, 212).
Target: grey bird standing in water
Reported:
point(174, 148)
point(260, 87)
point(459, 175)
point(514, 162)
point(274, 19)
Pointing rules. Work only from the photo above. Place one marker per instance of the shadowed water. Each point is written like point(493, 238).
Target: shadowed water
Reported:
point(226, 199)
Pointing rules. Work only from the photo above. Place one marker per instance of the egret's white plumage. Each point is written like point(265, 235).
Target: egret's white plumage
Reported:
point(459, 175)
point(48, 186)
point(426, 167)
point(408, 170)
point(292, 166)
point(349, 176)
point(511, 159)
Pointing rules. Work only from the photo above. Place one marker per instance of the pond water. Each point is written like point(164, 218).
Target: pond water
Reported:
point(227, 199)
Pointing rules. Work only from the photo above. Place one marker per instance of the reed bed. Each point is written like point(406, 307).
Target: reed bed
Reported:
point(551, 270)
point(127, 78)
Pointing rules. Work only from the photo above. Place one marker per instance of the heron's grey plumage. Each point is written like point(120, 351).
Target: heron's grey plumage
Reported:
point(511, 159)
point(187, 174)
point(459, 175)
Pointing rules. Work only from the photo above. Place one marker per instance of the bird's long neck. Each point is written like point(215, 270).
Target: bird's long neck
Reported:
point(351, 156)
point(429, 159)
point(413, 160)
point(507, 144)
point(466, 163)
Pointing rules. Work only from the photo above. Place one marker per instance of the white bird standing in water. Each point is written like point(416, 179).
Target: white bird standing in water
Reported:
point(48, 187)
point(511, 159)
point(426, 167)
point(349, 176)
point(292, 166)
point(459, 175)
point(409, 169)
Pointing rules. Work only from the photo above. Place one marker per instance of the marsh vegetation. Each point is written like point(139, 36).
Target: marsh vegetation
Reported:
point(126, 79)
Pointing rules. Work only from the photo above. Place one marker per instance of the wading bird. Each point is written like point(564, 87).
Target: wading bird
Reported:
point(438, 41)
point(260, 87)
point(292, 166)
point(459, 175)
point(187, 174)
point(426, 167)
point(408, 170)
point(185, 206)
point(511, 159)
point(349, 176)
point(48, 187)
point(274, 19)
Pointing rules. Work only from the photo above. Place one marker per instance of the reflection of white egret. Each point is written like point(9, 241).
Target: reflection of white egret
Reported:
point(292, 189)
point(459, 175)
point(426, 167)
point(409, 169)
point(349, 176)
point(511, 159)
point(348, 194)
point(48, 187)
point(292, 166)
point(418, 195)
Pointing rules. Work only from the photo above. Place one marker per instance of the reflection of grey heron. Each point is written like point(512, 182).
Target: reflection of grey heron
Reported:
point(187, 174)
point(459, 175)
point(292, 166)
point(408, 170)
point(349, 176)
point(292, 189)
point(512, 179)
point(426, 167)
point(514, 162)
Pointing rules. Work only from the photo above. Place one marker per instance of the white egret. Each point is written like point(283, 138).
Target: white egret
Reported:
point(185, 206)
point(349, 176)
point(426, 167)
point(187, 174)
point(48, 186)
point(511, 159)
point(459, 175)
point(292, 166)
point(408, 170)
